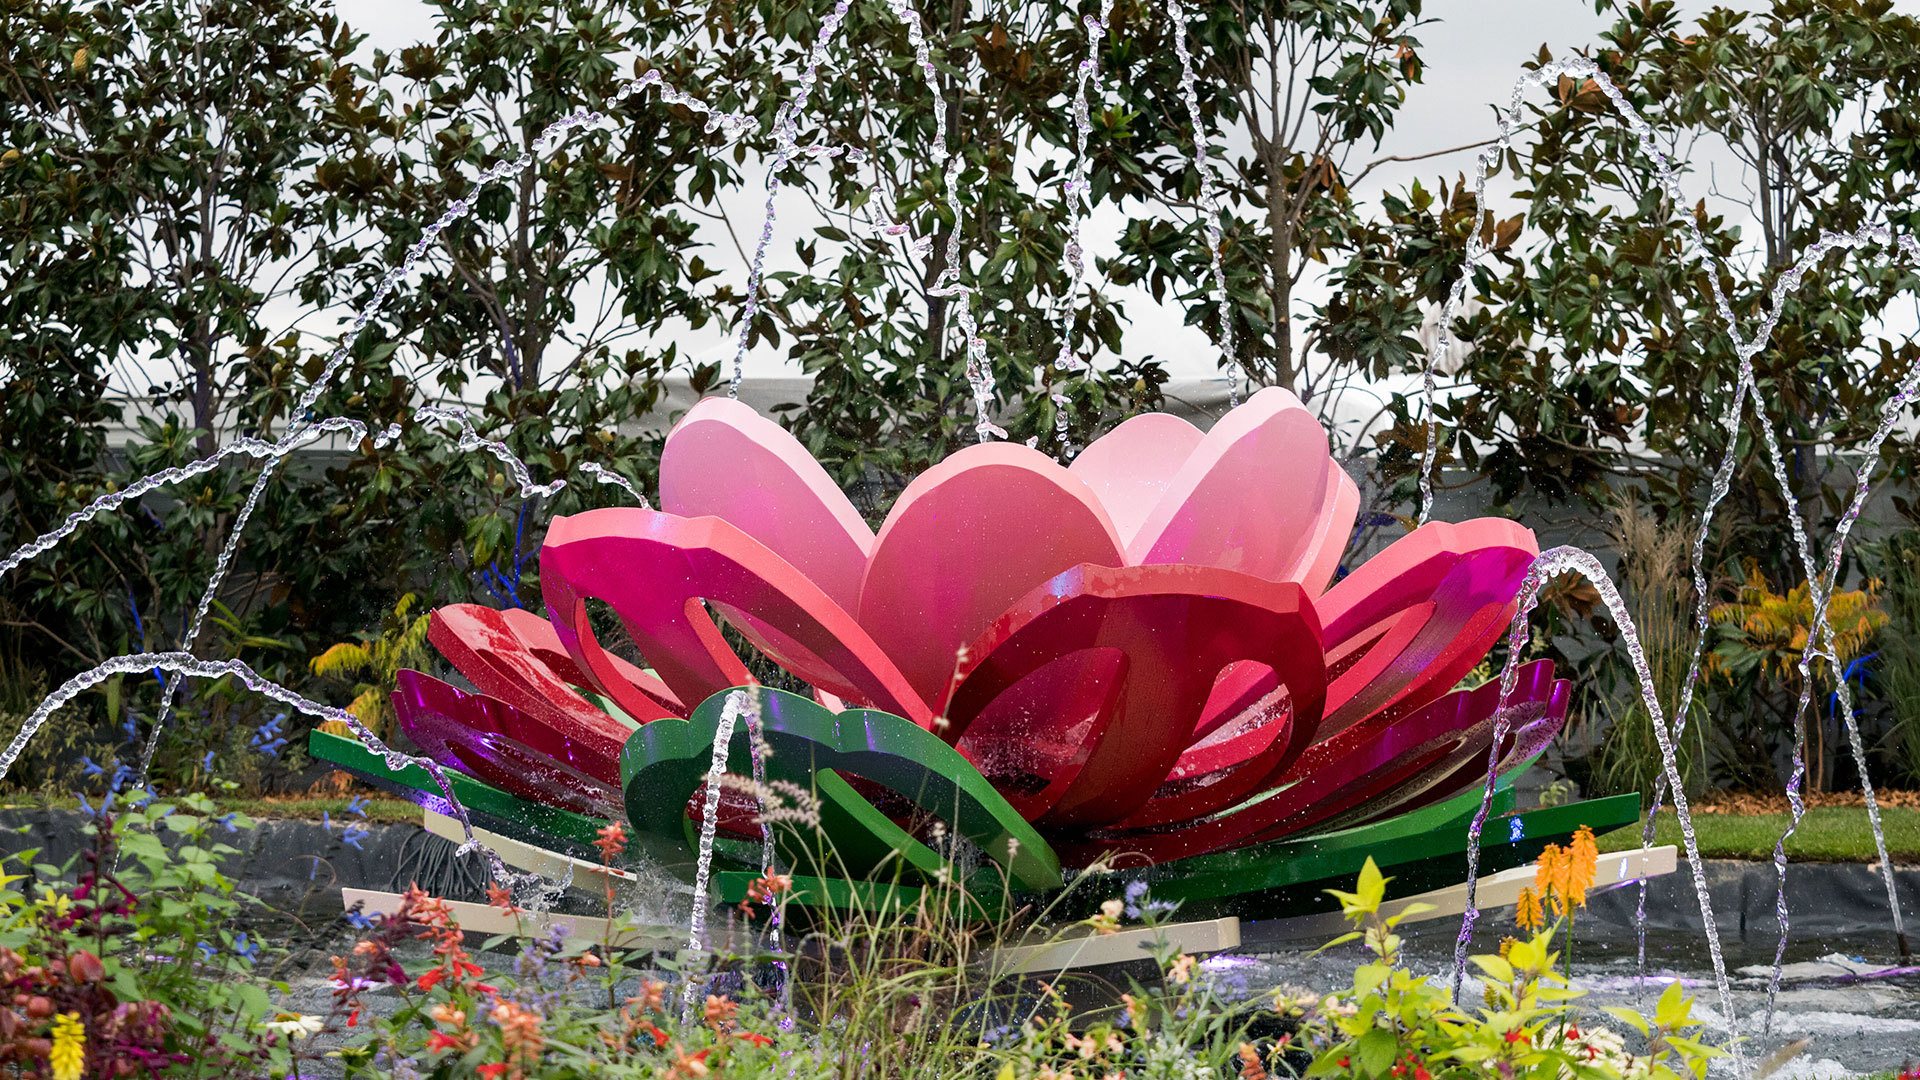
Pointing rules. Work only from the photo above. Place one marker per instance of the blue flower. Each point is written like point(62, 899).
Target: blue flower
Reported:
point(267, 738)
point(326, 821)
point(353, 836)
point(90, 767)
point(358, 805)
point(359, 921)
point(207, 950)
point(226, 821)
point(131, 725)
point(206, 763)
point(85, 806)
point(121, 774)
point(245, 948)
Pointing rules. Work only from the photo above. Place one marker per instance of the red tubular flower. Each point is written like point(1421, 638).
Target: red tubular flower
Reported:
point(440, 1040)
point(611, 840)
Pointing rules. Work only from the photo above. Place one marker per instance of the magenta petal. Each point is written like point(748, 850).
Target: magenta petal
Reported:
point(515, 752)
point(966, 539)
point(659, 573)
point(1536, 713)
point(1417, 617)
point(725, 460)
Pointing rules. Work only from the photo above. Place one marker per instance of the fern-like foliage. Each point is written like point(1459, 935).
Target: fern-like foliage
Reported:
point(371, 662)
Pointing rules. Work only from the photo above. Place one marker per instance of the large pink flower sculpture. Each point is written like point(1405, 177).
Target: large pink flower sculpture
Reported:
point(1143, 651)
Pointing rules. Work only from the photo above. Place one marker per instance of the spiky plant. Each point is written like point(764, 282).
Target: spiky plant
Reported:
point(1763, 635)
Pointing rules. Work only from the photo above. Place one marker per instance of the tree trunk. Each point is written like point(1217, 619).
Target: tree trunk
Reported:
point(1279, 262)
point(199, 347)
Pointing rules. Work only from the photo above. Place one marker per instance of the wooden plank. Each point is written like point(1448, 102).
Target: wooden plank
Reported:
point(1495, 890)
point(524, 856)
point(1093, 950)
point(487, 919)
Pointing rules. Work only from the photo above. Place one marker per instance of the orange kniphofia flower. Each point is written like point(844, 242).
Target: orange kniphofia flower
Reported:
point(1583, 859)
point(1550, 878)
point(1528, 913)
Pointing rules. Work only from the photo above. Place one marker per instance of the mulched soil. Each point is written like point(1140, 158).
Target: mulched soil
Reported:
point(1775, 802)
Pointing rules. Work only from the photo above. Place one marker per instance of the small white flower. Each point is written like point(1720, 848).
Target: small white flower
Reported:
point(296, 1025)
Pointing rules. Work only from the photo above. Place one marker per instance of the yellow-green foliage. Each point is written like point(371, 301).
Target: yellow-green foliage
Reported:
point(401, 643)
point(1767, 631)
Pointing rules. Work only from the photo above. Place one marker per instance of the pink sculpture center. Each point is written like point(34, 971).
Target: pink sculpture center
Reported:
point(1142, 652)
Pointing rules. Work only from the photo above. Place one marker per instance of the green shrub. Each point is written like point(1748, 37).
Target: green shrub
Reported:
point(129, 962)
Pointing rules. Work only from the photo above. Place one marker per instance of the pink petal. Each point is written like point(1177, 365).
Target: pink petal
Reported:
point(966, 539)
point(1255, 496)
point(1130, 467)
point(726, 460)
point(655, 570)
point(1320, 558)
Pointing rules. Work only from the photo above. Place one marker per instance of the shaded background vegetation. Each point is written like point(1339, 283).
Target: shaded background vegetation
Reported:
point(152, 222)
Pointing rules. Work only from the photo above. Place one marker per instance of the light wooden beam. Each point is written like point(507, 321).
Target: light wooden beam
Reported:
point(1093, 950)
point(487, 919)
point(1496, 890)
point(524, 856)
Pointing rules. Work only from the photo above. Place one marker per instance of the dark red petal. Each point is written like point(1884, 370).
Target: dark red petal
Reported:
point(1165, 632)
point(1359, 765)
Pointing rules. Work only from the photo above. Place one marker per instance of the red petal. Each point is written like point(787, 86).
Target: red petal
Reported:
point(490, 648)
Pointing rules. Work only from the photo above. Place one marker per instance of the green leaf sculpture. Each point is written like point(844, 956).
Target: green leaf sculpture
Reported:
point(666, 761)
